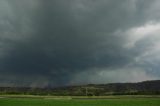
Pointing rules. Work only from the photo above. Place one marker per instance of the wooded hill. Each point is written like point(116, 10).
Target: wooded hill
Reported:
point(140, 88)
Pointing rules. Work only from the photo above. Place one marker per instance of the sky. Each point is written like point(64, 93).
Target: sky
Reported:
point(74, 42)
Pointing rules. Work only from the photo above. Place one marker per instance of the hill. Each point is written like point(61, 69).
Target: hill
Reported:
point(140, 88)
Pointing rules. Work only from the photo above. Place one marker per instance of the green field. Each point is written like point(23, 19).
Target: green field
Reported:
point(79, 101)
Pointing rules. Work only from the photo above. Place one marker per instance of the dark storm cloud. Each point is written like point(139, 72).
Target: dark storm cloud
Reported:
point(54, 42)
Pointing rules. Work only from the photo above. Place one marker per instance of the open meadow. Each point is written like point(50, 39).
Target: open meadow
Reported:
point(79, 101)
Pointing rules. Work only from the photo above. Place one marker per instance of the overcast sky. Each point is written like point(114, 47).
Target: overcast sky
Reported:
point(71, 42)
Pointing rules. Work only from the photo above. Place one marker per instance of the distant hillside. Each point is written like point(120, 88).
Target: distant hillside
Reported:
point(141, 88)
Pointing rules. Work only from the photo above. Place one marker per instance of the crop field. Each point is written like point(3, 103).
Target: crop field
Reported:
point(79, 101)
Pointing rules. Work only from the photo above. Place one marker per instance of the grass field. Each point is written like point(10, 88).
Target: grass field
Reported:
point(79, 101)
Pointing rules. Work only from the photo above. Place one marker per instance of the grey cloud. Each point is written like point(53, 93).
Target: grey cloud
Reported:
point(53, 41)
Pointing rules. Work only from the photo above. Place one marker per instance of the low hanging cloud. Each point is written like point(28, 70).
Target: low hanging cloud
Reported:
point(57, 43)
point(101, 76)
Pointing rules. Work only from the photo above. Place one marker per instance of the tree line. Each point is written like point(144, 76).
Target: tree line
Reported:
point(141, 88)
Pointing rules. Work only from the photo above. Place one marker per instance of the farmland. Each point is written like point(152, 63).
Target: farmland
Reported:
point(27, 100)
point(119, 94)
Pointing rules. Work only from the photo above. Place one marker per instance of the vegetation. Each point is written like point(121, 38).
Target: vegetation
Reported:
point(117, 94)
point(142, 88)
point(79, 101)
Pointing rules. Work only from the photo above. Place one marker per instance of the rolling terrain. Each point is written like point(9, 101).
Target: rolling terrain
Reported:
point(140, 88)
